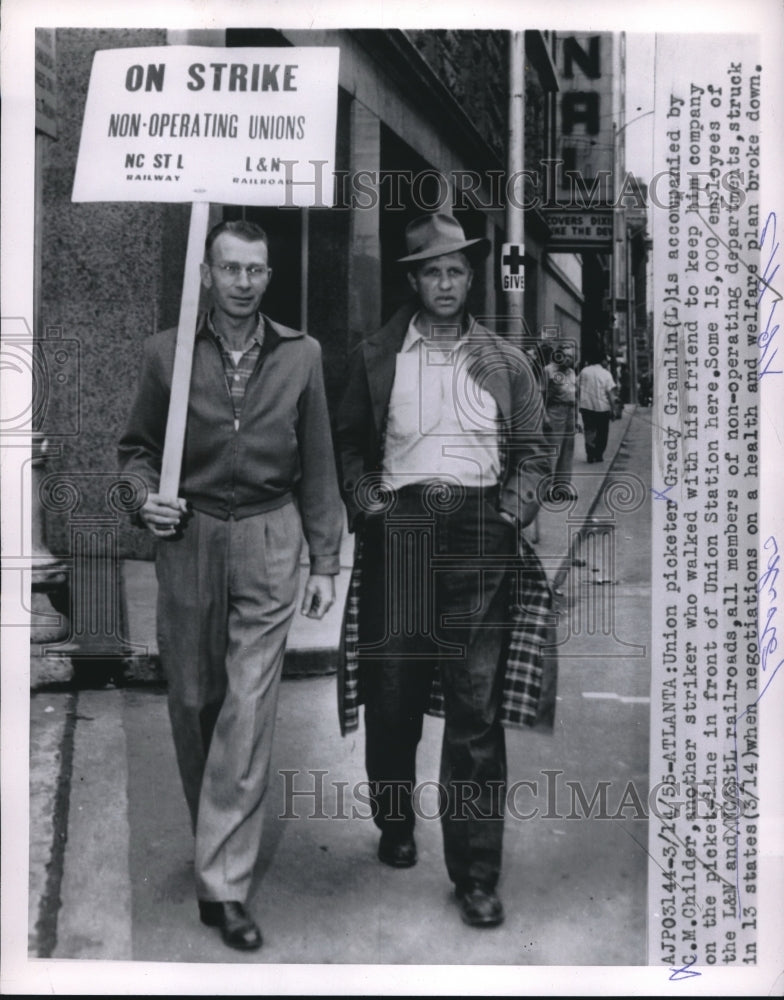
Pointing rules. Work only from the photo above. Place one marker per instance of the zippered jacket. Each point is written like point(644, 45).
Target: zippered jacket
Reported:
point(281, 450)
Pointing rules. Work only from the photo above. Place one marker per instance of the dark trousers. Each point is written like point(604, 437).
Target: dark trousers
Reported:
point(435, 597)
point(596, 424)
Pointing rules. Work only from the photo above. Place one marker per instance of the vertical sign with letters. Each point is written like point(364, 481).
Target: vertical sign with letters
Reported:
point(585, 104)
point(582, 220)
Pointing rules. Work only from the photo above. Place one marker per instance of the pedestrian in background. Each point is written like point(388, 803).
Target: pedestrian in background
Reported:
point(596, 400)
point(560, 414)
point(645, 397)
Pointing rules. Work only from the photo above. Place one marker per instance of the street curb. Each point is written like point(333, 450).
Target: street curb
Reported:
point(47, 907)
point(94, 919)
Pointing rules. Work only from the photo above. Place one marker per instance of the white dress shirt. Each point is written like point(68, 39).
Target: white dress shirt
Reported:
point(595, 388)
point(442, 424)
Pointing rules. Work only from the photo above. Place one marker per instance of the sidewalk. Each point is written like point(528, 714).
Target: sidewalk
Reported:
point(107, 785)
point(554, 520)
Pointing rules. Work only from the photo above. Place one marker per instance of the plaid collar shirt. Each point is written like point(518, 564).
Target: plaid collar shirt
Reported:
point(238, 367)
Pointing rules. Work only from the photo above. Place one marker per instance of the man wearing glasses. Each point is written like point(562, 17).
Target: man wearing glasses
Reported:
point(258, 470)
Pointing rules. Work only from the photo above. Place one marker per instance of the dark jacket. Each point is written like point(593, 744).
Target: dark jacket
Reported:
point(495, 364)
point(282, 449)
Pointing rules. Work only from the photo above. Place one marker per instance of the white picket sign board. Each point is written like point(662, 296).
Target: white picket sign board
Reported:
point(185, 123)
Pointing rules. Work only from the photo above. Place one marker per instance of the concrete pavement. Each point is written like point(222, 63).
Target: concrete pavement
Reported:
point(120, 886)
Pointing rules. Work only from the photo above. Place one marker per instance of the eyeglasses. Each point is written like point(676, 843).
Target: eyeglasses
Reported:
point(253, 271)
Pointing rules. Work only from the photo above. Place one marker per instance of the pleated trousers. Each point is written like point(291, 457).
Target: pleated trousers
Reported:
point(226, 596)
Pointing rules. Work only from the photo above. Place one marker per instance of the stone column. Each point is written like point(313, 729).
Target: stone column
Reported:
point(97, 625)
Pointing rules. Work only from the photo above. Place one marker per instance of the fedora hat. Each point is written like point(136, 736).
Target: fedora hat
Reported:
point(436, 234)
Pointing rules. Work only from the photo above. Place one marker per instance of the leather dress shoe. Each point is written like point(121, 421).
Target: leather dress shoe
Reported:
point(479, 906)
point(237, 928)
point(396, 850)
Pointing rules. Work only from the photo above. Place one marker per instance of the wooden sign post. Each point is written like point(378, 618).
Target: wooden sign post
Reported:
point(207, 125)
point(171, 461)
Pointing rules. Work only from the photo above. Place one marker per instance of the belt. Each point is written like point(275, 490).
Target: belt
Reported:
point(446, 487)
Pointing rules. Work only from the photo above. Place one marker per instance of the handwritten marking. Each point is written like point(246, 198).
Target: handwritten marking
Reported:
point(685, 972)
point(661, 867)
point(765, 340)
point(763, 281)
point(768, 581)
point(662, 494)
point(705, 865)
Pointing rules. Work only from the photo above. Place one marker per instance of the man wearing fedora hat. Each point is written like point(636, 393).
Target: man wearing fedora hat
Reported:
point(441, 449)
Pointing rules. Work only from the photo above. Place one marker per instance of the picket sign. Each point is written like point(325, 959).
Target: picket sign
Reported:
point(197, 124)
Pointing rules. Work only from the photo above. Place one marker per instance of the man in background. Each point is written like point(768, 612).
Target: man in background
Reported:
point(596, 400)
